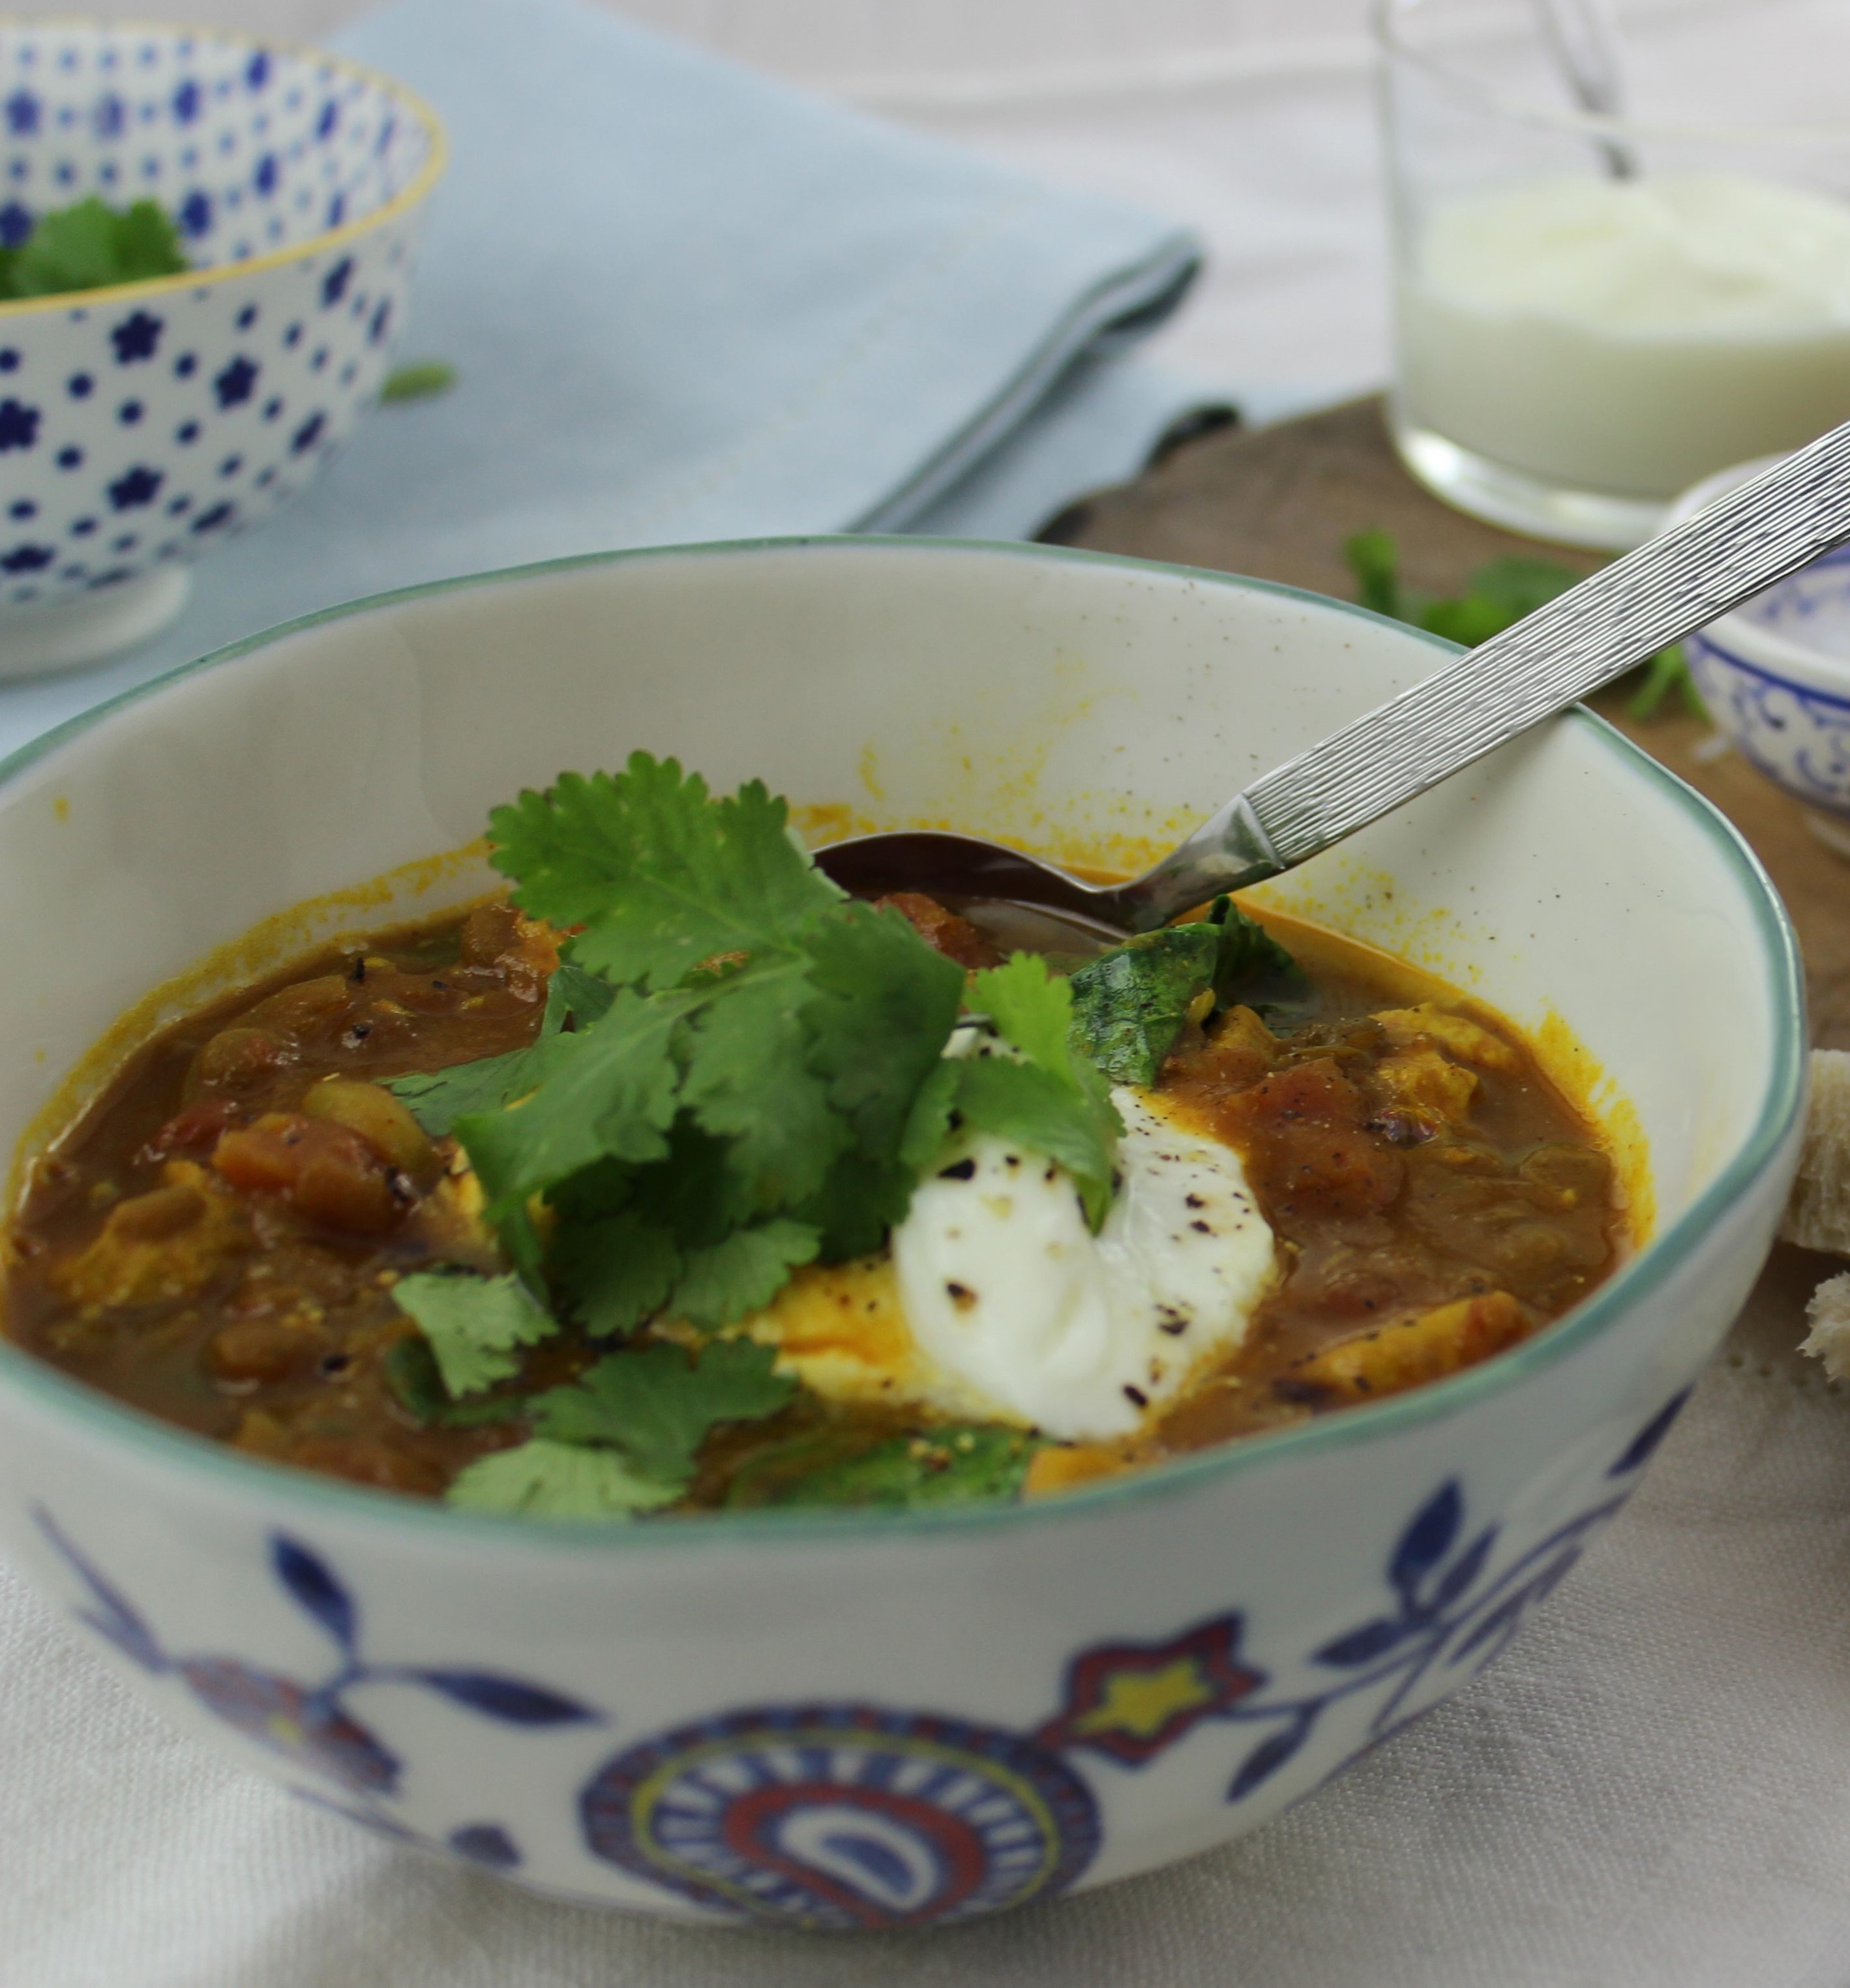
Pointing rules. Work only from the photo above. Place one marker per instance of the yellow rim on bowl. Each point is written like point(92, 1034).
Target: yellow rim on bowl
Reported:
point(428, 174)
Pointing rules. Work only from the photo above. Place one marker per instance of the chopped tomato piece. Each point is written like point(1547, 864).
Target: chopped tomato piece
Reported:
point(1304, 1127)
point(323, 1170)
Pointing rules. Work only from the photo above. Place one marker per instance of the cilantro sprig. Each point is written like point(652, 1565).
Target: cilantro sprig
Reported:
point(740, 1071)
point(91, 246)
point(1495, 596)
point(624, 1438)
point(1045, 1097)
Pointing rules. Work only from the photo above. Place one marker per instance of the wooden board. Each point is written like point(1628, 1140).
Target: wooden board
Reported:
point(1278, 503)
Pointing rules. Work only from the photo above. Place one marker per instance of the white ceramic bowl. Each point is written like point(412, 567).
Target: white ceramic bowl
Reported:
point(1775, 675)
point(141, 426)
point(843, 1720)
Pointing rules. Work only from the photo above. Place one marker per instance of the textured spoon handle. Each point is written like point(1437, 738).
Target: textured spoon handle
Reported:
point(1743, 542)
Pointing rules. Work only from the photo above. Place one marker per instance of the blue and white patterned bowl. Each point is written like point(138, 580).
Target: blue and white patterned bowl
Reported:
point(142, 425)
point(876, 1720)
point(1775, 675)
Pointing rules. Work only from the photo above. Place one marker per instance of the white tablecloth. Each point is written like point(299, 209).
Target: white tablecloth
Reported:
point(1652, 1790)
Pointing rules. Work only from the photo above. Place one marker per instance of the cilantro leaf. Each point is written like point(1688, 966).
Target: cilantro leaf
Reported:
point(437, 1098)
point(883, 1005)
point(91, 246)
point(1030, 1008)
point(615, 1270)
point(474, 1324)
point(1496, 596)
point(1029, 1106)
point(748, 1081)
point(543, 1479)
point(656, 1408)
point(929, 1124)
point(726, 1279)
point(660, 876)
point(609, 1090)
point(574, 998)
point(418, 380)
point(411, 1373)
point(1375, 561)
point(952, 1466)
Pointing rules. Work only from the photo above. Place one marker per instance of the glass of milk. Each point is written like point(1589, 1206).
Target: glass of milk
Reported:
point(1592, 313)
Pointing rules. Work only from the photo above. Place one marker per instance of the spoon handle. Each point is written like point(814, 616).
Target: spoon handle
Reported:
point(1743, 542)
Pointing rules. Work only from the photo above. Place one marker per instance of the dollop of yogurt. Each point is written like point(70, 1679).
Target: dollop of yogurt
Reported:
point(1029, 1317)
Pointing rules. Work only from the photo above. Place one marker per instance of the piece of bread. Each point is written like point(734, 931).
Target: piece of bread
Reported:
point(1829, 1312)
point(1818, 1216)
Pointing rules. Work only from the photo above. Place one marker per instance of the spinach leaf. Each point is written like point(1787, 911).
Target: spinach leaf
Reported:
point(961, 1463)
point(1129, 1004)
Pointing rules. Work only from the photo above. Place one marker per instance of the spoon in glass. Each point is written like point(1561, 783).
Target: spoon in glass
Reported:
point(1751, 536)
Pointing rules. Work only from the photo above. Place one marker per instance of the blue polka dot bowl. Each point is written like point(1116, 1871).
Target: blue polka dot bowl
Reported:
point(1775, 675)
point(142, 425)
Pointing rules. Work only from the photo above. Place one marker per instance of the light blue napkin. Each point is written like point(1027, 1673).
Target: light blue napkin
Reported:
point(687, 303)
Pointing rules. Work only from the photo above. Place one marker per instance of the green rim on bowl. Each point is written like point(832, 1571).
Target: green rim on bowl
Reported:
point(101, 1416)
point(429, 173)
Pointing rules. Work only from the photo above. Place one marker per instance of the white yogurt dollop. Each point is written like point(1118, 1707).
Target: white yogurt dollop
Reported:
point(1032, 1319)
point(1630, 335)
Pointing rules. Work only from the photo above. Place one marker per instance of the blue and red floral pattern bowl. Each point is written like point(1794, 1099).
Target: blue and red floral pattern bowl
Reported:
point(141, 426)
point(863, 1720)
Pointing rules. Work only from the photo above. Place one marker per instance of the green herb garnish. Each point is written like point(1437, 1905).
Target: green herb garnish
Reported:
point(959, 1464)
point(90, 246)
point(419, 379)
point(417, 1383)
point(1044, 1097)
point(1129, 1004)
point(476, 1327)
point(558, 1480)
point(624, 1438)
point(740, 1071)
point(439, 1098)
point(1495, 596)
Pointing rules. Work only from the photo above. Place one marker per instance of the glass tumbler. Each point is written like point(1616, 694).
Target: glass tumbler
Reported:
point(1592, 312)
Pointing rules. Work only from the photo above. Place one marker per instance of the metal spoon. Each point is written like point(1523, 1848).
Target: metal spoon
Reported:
point(1583, 37)
point(1755, 534)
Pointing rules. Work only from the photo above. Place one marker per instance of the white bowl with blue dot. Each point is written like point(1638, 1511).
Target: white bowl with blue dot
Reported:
point(1775, 675)
point(143, 425)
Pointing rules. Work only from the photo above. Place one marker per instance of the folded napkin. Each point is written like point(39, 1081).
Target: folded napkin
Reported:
point(684, 302)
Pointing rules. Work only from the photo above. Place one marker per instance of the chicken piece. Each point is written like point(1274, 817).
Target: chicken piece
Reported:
point(1416, 1350)
point(1469, 1041)
point(450, 1222)
point(1301, 1132)
point(942, 928)
point(526, 949)
point(1427, 1088)
point(1065, 1466)
point(159, 1246)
